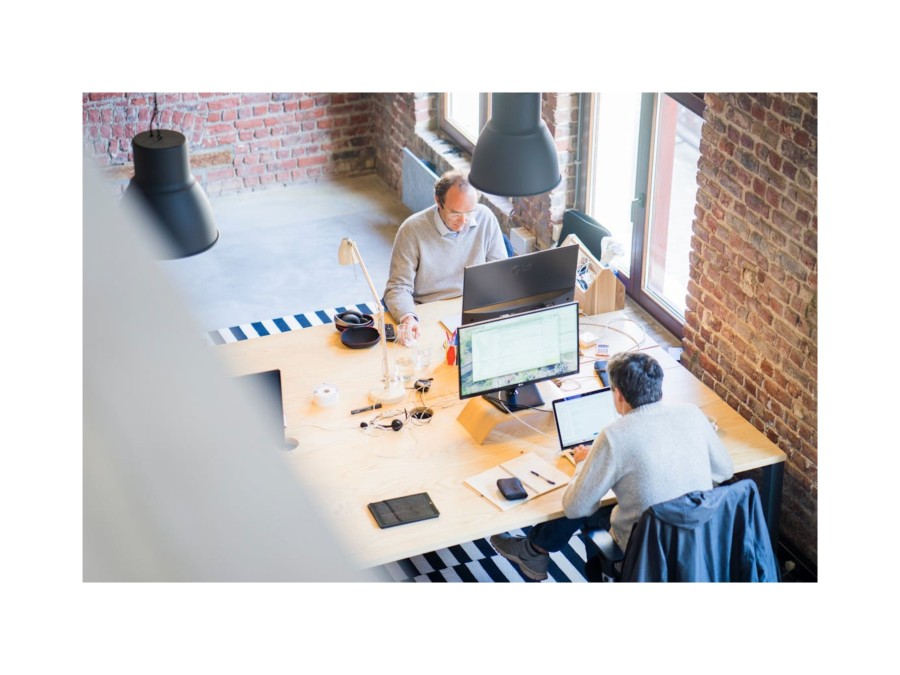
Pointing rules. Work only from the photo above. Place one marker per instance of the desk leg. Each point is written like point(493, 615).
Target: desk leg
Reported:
point(772, 479)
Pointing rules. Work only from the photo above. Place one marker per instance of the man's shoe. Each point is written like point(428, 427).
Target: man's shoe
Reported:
point(515, 548)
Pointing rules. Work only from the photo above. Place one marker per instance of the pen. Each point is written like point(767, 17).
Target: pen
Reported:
point(366, 409)
point(552, 482)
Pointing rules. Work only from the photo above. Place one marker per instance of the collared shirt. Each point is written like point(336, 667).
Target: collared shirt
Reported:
point(445, 231)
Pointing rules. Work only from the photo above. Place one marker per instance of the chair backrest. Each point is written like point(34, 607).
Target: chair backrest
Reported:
point(711, 535)
point(588, 230)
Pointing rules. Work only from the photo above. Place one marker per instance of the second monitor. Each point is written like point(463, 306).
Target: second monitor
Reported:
point(519, 284)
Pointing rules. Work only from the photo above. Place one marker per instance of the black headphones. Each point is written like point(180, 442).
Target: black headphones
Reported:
point(395, 424)
point(351, 316)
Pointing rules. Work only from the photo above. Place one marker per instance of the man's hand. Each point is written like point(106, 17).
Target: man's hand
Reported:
point(580, 452)
point(408, 331)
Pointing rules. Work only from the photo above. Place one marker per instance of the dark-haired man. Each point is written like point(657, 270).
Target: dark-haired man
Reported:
point(434, 246)
point(652, 454)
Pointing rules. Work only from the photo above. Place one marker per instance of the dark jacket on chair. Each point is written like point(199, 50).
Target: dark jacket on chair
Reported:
point(713, 535)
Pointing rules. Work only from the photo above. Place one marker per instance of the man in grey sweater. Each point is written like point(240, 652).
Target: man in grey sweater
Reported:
point(652, 454)
point(434, 246)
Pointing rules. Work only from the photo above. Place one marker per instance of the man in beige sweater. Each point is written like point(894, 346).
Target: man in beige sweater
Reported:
point(652, 454)
point(434, 246)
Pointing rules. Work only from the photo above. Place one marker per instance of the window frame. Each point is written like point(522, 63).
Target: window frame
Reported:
point(634, 281)
point(452, 131)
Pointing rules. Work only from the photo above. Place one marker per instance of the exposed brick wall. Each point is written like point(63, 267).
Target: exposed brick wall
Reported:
point(238, 142)
point(751, 321)
point(396, 118)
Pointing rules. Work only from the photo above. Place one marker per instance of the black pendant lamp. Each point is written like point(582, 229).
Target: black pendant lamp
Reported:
point(163, 183)
point(515, 155)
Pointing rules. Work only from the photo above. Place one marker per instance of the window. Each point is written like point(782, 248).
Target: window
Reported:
point(615, 123)
point(463, 115)
point(641, 185)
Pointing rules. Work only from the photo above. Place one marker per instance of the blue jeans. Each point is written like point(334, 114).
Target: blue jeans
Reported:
point(554, 534)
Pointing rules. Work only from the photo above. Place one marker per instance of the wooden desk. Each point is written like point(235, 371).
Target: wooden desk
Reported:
point(346, 466)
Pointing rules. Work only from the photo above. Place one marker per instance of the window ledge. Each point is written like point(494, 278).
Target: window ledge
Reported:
point(457, 158)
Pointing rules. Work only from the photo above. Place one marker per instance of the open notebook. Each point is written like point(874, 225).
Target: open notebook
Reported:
point(537, 475)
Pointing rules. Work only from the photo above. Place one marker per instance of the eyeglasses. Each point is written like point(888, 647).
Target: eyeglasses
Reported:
point(459, 215)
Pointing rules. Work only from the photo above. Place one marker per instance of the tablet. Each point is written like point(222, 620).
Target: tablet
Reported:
point(400, 510)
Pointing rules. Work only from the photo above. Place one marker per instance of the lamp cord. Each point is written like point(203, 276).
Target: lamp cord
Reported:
point(155, 115)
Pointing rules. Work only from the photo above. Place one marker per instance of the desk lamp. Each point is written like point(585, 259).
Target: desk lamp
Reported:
point(390, 391)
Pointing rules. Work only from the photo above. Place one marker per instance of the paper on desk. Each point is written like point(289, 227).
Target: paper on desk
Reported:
point(485, 483)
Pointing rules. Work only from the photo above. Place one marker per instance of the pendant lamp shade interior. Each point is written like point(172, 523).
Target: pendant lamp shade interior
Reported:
point(515, 155)
point(163, 184)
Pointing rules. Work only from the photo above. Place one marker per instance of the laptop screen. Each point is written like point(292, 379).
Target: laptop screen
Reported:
point(581, 418)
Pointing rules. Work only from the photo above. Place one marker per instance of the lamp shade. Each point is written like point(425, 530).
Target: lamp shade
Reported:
point(163, 183)
point(515, 155)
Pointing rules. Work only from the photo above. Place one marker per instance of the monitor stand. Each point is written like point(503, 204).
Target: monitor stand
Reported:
point(523, 397)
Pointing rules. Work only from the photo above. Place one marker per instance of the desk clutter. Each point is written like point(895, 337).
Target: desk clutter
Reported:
point(533, 475)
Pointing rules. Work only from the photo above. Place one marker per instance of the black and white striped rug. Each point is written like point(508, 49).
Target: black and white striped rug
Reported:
point(477, 561)
point(474, 561)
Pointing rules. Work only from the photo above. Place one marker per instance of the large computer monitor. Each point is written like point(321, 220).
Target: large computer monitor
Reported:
point(519, 284)
point(502, 359)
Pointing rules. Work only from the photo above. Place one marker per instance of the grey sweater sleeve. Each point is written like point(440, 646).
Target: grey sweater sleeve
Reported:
point(594, 477)
point(398, 293)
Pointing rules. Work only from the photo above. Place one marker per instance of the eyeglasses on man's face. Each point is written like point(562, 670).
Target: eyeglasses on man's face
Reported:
point(457, 216)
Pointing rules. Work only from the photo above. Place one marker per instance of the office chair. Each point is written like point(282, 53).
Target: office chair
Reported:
point(510, 251)
point(588, 230)
point(711, 535)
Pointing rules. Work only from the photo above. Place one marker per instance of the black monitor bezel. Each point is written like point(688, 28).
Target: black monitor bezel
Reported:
point(549, 269)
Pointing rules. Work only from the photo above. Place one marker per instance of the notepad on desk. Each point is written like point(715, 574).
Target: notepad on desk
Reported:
point(537, 475)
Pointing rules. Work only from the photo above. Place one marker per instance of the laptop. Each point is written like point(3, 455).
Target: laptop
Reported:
point(580, 418)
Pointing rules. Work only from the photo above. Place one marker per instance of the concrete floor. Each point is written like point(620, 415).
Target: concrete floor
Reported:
point(277, 254)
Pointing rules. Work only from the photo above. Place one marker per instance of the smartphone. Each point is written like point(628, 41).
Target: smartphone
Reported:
point(389, 333)
point(600, 369)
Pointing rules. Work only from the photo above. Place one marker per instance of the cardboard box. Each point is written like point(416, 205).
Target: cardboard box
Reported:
point(597, 288)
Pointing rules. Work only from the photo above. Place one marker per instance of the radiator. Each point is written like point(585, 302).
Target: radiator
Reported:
point(418, 182)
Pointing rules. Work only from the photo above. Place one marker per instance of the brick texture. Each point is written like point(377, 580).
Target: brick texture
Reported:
point(541, 212)
point(237, 142)
point(751, 322)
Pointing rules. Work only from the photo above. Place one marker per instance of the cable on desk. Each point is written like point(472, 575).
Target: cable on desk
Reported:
point(572, 381)
point(523, 421)
point(421, 414)
point(607, 326)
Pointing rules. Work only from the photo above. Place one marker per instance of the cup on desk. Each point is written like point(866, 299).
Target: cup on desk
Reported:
point(423, 358)
point(406, 368)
